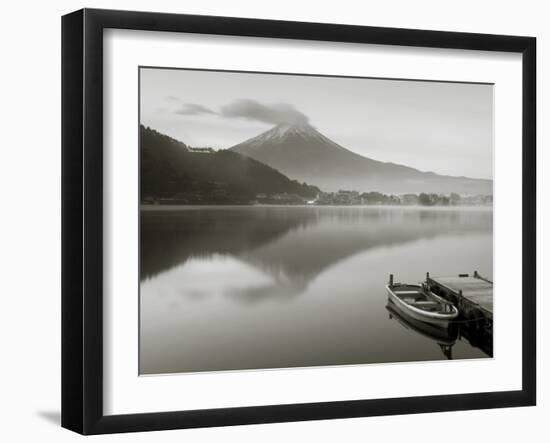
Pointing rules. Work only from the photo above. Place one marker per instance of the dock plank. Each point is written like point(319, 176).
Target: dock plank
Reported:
point(475, 290)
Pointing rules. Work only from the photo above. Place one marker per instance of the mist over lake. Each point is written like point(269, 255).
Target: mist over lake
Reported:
point(250, 287)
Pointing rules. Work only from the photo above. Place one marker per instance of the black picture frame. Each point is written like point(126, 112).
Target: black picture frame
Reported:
point(82, 220)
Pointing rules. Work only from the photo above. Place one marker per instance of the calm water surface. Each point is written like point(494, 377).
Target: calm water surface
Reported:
point(226, 288)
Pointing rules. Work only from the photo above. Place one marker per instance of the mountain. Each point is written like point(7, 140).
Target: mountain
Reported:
point(172, 170)
point(303, 153)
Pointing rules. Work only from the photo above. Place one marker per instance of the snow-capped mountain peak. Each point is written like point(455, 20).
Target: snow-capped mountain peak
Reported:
point(286, 132)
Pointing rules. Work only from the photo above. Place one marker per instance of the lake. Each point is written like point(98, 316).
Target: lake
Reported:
point(252, 287)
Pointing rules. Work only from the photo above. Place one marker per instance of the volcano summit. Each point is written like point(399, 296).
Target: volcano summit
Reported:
point(302, 153)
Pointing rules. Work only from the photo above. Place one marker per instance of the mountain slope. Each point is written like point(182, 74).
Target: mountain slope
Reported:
point(169, 169)
point(303, 153)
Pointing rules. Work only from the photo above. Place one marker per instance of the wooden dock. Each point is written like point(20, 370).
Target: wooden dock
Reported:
point(472, 295)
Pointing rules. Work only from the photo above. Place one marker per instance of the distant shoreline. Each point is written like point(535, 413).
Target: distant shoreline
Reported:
point(152, 208)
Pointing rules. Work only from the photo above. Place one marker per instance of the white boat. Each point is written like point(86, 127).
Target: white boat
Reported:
point(421, 304)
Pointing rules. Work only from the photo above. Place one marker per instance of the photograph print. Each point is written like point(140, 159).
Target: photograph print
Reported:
point(292, 221)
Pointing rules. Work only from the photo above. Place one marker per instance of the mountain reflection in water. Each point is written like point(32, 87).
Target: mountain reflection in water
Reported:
point(210, 272)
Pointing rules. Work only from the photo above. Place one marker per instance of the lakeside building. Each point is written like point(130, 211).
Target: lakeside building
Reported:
point(342, 197)
point(409, 199)
point(201, 150)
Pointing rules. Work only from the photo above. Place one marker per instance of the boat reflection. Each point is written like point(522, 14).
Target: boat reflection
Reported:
point(445, 337)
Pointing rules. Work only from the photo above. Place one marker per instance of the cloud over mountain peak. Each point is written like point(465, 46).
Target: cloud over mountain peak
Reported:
point(275, 113)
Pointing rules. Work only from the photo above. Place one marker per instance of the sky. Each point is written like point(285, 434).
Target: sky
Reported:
point(442, 127)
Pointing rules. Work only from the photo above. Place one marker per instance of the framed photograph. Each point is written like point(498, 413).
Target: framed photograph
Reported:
point(269, 221)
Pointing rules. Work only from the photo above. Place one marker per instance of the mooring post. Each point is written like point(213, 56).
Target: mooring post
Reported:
point(427, 276)
point(391, 280)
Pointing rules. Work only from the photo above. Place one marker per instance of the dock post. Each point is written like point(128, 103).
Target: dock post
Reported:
point(427, 276)
point(391, 280)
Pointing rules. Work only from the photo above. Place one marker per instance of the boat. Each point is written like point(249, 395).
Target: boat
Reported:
point(420, 303)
